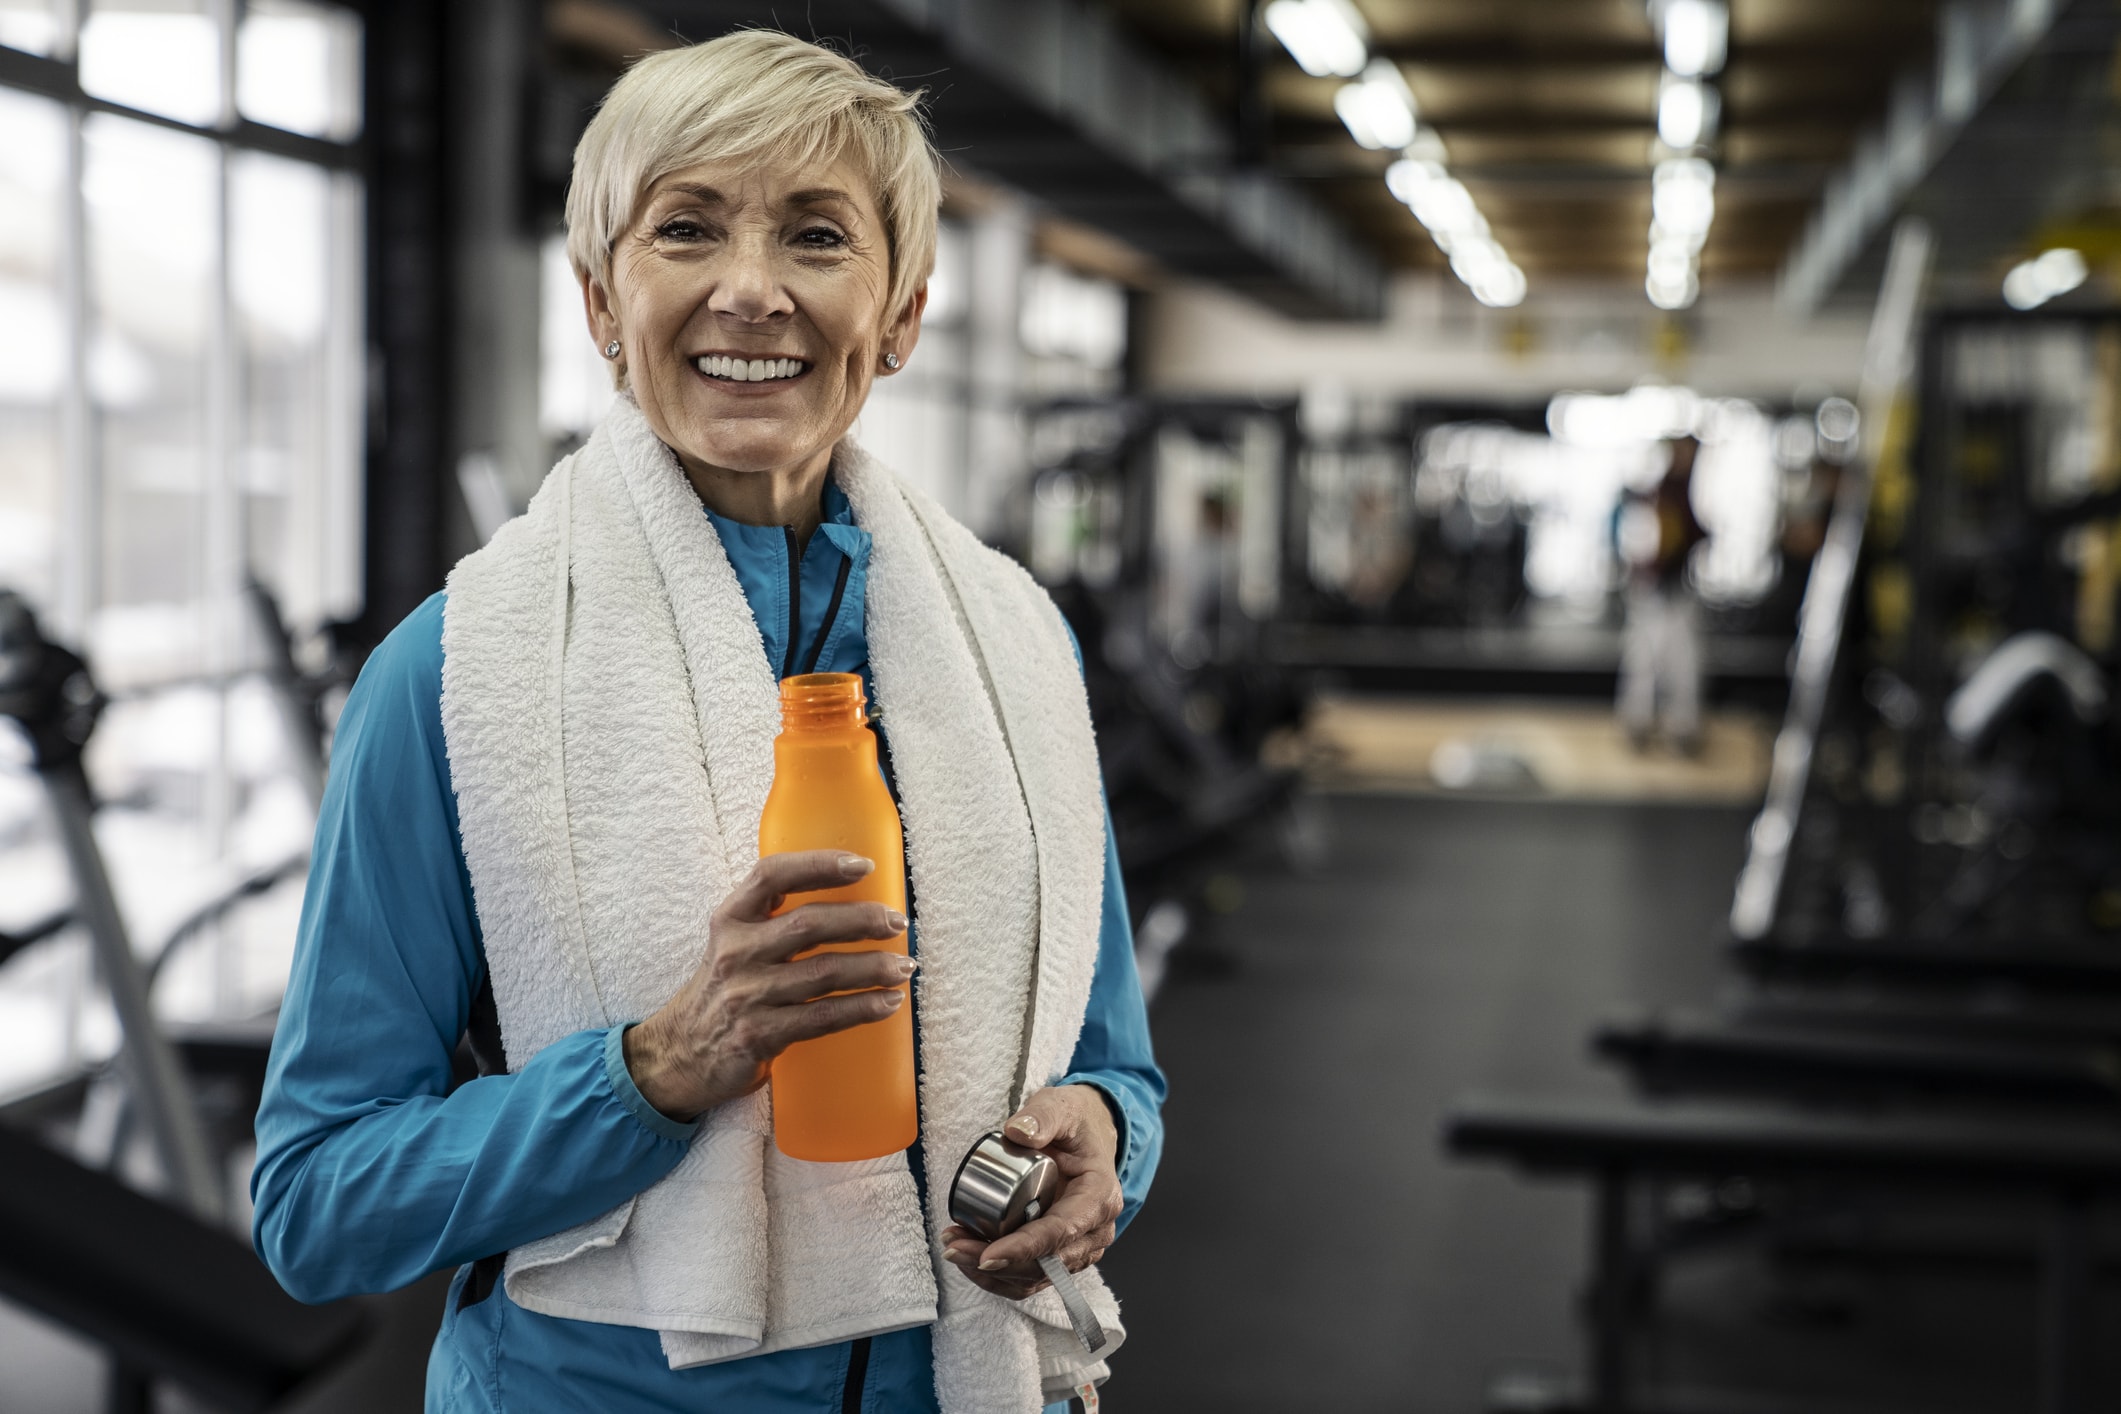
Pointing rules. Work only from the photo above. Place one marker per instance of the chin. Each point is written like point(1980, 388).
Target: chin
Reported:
point(747, 444)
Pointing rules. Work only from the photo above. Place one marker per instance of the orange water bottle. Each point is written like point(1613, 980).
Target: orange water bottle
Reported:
point(848, 1095)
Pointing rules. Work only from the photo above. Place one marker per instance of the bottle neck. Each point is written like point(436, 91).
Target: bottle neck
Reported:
point(820, 703)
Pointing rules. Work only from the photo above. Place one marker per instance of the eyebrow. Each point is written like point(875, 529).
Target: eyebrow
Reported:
point(812, 196)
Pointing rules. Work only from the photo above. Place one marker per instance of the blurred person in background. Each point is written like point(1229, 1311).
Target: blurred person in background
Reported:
point(1660, 656)
point(541, 828)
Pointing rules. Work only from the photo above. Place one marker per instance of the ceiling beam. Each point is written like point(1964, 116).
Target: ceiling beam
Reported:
point(1516, 55)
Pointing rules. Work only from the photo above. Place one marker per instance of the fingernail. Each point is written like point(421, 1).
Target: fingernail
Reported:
point(907, 967)
point(951, 1254)
point(894, 920)
point(992, 1264)
point(894, 1000)
point(853, 866)
point(1024, 1125)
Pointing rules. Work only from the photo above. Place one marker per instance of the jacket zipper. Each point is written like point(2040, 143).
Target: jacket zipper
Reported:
point(795, 608)
point(857, 1377)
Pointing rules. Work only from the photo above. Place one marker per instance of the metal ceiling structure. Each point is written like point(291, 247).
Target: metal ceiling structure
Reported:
point(2009, 150)
point(1056, 99)
point(1547, 110)
point(1186, 130)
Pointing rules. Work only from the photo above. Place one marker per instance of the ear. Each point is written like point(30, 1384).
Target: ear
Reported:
point(596, 305)
point(902, 333)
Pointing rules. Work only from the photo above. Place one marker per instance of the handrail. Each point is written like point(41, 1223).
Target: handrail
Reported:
point(1887, 362)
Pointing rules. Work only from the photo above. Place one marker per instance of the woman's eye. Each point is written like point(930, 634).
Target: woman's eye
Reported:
point(680, 229)
point(820, 238)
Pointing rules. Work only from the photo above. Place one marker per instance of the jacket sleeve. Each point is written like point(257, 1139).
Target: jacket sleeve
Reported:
point(371, 1172)
point(1113, 1053)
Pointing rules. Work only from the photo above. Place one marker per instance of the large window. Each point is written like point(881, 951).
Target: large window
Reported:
point(180, 418)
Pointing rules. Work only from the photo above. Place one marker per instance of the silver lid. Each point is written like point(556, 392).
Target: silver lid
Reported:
point(1000, 1186)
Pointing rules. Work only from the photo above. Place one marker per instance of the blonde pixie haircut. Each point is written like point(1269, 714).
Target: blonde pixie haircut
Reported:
point(756, 95)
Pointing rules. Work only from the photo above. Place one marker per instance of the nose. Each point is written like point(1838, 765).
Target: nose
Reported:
point(748, 287)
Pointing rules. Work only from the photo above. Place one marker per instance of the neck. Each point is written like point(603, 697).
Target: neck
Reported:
point(793, 495)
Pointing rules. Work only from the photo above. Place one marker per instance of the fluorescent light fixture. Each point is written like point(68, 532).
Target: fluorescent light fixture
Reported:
point(1327, 37)
point(2034, 282)
point(1378, 109)
point(1442, 203)
point(1676, 294)
point(1670, 265)
point(1502, 288)
point(1408, 177)
point(1447, 209)
point(1682, 205)
point(1426, 147)
point(2061, 270)
point(1662, 235)
point(1683, 196)
point(1697, 35)
point(1687, 110)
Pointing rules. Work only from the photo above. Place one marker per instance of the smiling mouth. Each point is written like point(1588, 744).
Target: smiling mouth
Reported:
point(750, 370)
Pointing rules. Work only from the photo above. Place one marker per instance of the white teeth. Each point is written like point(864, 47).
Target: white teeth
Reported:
point(754, 370)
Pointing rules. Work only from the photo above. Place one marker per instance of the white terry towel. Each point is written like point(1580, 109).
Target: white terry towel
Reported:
point(610, 715)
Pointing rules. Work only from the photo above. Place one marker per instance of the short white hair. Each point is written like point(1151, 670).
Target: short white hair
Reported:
point(755, 95)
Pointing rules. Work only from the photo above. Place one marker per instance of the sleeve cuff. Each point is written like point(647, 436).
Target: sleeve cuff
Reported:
point(620, 1079)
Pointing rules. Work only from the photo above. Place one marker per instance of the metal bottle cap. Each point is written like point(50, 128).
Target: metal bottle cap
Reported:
point(1000, 1186)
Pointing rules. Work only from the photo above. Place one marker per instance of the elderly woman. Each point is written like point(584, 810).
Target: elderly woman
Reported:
point(541, 835)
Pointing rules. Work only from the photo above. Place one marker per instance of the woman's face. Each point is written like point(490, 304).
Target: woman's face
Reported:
point(749, 301)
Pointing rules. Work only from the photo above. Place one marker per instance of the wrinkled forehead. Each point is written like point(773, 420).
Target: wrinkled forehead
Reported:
point(771, 188)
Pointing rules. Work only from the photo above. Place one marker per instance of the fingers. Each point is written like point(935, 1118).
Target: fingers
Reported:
point(1044, 1118)
point(811, 1020)
point(1072, 1124)
point(964, 1251)
point(817, 923)
point(776, 876)
point(821, 973)
point(1079, 1220)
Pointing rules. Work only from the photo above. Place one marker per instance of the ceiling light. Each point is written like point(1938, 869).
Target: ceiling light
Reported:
point(1477, 257)
point(1406, 178)
point(1442, 203)
point(2033, 283)
point(1502, 288)
point(2061, 270)
point(1379, 110)
point(1673, 294)
point(1687, 110)
point(1662, 235)
point(1670, 265)
point(1446, 207)
point(1426, 147)
point(1327, 37)
point(1696, 36)
point(1683, 197)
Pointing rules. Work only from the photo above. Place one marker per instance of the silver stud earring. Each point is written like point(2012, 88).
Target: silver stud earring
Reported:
point(890, 360)
point(611, 350)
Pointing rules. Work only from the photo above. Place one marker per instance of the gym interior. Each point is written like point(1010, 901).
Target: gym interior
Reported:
point(1593, 531)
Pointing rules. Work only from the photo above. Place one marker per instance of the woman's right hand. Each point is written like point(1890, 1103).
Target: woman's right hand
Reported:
point(749, 1000)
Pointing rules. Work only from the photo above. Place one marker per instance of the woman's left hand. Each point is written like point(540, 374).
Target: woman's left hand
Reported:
point(1073, 1125)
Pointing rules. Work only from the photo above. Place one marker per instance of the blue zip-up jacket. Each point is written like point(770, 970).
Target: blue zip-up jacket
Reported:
point(371, 1173)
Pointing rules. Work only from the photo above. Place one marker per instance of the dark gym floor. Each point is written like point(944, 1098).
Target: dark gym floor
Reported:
point(1306, 1245)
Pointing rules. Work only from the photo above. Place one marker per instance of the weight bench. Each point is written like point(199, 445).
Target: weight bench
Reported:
point(1995, 1014)
point(1684, 1054)
point(1616, 1144)
point(170, 1296)
point(2078, 969)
